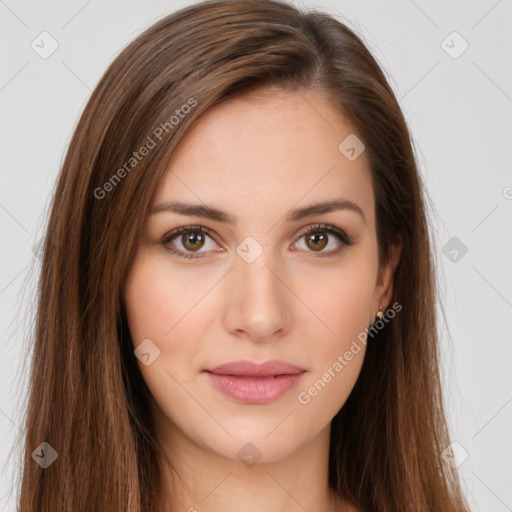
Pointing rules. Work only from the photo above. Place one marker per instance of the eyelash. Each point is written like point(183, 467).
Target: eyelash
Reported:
point(327, 228)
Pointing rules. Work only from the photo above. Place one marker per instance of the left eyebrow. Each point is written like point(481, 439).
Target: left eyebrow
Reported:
point(198, 210)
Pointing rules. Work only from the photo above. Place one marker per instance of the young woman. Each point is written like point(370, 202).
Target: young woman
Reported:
point(237, 300)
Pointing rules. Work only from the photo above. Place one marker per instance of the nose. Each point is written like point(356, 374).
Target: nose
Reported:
point(258, 301)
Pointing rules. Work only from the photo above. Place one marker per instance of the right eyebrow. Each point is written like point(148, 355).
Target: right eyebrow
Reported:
point(195, 210)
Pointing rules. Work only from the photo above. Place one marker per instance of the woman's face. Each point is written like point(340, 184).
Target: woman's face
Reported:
point(250, 284)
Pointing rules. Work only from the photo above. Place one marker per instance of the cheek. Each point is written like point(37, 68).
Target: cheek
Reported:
point(342, 299)
point(158, 298)
point(161, 305)
point(336, 363)
point(158, 306)
point(171, 306)
point(342, 306)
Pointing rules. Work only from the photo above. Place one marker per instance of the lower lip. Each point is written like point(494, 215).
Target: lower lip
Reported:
point(253, 390)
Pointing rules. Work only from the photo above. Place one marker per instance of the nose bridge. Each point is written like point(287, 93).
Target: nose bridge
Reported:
point(258, 300)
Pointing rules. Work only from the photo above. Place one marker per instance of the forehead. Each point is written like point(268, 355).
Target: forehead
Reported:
point(267, 153)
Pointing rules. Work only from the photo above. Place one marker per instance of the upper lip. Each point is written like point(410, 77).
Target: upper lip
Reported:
point(250, 369)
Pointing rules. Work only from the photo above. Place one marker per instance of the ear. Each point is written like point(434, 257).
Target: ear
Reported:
point(384, 286)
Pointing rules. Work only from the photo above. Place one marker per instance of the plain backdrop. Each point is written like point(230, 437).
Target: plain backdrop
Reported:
point(456, 92)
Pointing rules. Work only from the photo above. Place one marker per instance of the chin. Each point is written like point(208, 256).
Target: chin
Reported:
point(263, 441)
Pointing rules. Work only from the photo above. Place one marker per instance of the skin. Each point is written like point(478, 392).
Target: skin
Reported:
point(256, 157)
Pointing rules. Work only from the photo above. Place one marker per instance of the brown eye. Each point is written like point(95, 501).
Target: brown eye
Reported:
point(191, 243)
point(316, 240)
point(192, 240)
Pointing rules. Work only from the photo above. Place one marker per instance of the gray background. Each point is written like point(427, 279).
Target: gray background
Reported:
point(459, 111)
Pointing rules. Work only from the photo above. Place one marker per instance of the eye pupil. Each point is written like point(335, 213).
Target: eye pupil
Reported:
point(191, 238)
point(319, 240)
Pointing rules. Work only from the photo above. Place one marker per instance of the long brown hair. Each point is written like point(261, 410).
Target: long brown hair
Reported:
point(87, 398)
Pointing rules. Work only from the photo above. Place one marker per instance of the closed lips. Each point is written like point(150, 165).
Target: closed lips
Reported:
point(255, 383)
point(268, 369)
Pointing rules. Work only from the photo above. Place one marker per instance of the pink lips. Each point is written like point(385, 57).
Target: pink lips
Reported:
point(254, 383)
